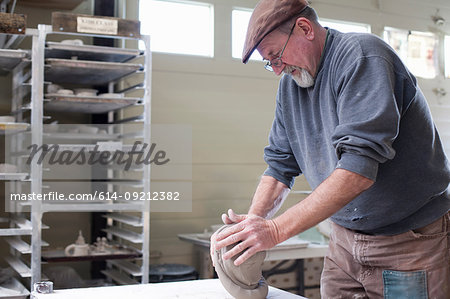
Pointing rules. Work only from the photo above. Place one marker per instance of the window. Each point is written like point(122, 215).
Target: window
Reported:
point(178, 27)
point(239, 20)
point(416, 49)
point(345, 26)
point(447, 56)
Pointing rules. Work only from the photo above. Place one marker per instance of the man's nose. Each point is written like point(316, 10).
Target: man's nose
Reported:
point(278, 70)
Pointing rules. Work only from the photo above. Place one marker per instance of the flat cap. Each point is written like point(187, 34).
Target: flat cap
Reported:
point(267, 16)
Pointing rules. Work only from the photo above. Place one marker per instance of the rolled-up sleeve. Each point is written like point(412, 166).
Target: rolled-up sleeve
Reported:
point(369, 107)
point(278, 155)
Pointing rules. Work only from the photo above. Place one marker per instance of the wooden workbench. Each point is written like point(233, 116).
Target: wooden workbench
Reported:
point(193, 289)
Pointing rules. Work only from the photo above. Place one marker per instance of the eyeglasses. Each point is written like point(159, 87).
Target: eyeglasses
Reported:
point(277, 62)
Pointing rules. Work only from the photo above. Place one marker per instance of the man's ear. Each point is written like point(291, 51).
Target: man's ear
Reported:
point(306, 27)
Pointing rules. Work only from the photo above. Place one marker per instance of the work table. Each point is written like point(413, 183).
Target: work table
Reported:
point(193, 289)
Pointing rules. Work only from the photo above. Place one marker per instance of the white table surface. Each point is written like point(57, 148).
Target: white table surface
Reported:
point(193, 289)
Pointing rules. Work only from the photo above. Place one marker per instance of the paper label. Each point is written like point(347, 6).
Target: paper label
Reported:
point(97, 25)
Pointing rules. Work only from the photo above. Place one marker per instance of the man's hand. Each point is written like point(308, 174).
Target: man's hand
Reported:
point(232, 217)
point(253, 232)
point(227, 219)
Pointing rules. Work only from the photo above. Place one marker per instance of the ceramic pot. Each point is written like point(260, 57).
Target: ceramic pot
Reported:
point(77, 250)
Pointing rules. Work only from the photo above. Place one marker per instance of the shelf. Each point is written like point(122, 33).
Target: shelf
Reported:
point(134, 119)
point(25, 223)
point(86, 72)
point(123, 182)
point(80, 136)
point(124, 234)
point(127, 266)
point(18, 266)
point(83, 104)
point(119, 277)
point(7, 128)
point(88, 52)
point(60, 256)
point(127, 219)
point(13, 289)
point(17, 176)
point(132, 135)
point(14, 232)
point(9, 59)
point(90, 147)
point(134, 167)
point(93, 207)
point(20, 245)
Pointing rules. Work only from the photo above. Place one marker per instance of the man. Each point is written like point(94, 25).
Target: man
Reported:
point(351, 118)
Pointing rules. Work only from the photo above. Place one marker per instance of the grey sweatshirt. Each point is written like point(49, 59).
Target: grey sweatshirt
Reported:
point(366, 114)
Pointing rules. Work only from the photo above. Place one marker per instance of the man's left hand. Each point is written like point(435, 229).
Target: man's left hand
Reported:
point(254, 233)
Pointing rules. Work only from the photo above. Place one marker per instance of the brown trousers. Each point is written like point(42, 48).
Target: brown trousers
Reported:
point(412, 265)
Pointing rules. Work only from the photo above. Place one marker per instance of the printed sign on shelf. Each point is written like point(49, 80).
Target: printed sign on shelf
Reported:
point(97, 25)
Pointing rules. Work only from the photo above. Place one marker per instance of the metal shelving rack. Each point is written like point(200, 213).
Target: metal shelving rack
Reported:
point(15, 61)
point(42, 58)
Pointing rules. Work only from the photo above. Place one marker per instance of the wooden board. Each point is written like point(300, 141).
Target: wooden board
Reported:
point(12, 23)
point(67, 22)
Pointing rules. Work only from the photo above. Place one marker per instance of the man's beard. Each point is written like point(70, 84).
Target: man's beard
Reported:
point(302, 77)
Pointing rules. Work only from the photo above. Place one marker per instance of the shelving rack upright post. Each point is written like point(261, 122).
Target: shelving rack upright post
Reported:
point(37, 116)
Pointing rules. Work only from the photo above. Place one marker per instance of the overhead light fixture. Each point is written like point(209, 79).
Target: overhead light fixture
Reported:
point(437, 19)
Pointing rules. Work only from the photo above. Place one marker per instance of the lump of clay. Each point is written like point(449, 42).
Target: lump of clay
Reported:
point(244, 281)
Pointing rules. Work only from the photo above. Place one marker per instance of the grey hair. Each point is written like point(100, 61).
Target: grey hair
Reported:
point(308, 13)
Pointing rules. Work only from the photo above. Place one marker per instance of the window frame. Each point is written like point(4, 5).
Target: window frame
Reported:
point(446, 56)
point(406, 60)
point(255, 57)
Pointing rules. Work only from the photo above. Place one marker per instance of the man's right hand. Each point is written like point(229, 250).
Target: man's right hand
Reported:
point(231, 218)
